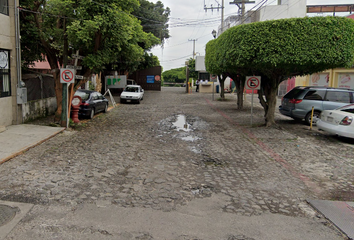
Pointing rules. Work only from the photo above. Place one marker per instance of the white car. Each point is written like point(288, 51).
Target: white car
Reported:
point(338, 121)
point(132, 93)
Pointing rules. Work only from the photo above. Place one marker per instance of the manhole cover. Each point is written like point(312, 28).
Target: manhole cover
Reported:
point(6, 214)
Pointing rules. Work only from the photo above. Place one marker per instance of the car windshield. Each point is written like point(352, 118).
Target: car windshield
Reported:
point(84, 95)
point(131, 89)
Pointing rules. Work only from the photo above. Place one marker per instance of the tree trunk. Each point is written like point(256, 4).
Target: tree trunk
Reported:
point(222, 86)
point(270, 89)
point(240, 84)
point(58, 94)
point(271, 103)
point(98, 83)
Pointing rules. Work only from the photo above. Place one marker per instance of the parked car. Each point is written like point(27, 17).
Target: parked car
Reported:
point(298, 102)
point(132, 93)
point(338, 121)
point(92, 103)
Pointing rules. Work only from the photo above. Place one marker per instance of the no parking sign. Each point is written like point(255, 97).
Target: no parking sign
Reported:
point(253, 83)
point(67, 75)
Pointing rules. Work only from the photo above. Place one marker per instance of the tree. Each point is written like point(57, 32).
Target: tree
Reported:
point(177, 75)
point(215, 65)
point(154, 18)
point(149, 61)
point(191, 66)
point(103, 32)
point(280, 49)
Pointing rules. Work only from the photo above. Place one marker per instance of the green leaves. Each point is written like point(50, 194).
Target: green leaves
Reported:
point(105, 32)
point(295, 46)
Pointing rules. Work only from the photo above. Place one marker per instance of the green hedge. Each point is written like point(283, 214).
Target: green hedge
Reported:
point(296, 46)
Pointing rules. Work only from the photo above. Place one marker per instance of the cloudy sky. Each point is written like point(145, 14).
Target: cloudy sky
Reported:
point(189, 21)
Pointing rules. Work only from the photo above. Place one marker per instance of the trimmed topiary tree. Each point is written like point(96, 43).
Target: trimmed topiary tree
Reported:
point(214, 65)
point(283, 48)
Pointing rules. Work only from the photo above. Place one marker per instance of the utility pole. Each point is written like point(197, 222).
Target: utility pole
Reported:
point(241, 4)
point(193, 45)
point(217, 8)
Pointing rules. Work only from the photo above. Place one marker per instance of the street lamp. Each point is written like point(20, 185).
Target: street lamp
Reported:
point(214, 33)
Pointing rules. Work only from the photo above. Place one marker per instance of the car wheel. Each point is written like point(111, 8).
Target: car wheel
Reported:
point(105, 108)
point(121, 101)
point(316, 116)
point(142, 98)
point(92, 113)
point(138, 102)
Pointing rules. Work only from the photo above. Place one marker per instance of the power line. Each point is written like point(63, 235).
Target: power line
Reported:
point(177, 58)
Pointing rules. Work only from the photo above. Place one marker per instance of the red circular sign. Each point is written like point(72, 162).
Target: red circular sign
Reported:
point(213, 77)
point(157, 78)
point(67, 76)
point(253, 82)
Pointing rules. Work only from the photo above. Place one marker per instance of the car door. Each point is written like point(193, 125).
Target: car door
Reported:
point(336, 99)
point(96, 102)
point(140, 93)
point(101, 101)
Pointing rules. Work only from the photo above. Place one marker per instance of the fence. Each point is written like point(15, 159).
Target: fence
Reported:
point(41, 99)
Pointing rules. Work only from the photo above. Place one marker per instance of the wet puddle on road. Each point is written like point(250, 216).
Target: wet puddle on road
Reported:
point(190, 138)
point(181, 123)
point(186, 128)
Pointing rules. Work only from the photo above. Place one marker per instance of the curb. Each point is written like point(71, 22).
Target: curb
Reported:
point(21, 151)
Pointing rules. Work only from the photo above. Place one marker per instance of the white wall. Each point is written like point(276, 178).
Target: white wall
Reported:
point(287, 9)
point(199, 63)
point(8, 105)
point(6, 111)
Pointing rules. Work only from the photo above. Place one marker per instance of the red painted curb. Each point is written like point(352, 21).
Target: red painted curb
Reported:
point(305, 179)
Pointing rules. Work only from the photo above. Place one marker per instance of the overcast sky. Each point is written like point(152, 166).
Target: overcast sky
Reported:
point(189, 21)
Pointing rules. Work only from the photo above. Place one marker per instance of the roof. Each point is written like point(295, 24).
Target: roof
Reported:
point(40, 65)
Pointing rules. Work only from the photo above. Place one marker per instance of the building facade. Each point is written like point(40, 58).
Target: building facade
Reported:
point(8, 63)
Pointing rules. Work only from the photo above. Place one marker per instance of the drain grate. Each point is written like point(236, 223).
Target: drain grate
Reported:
point(6, 214)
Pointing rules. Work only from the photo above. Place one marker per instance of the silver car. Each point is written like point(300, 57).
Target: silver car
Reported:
point(298, 102)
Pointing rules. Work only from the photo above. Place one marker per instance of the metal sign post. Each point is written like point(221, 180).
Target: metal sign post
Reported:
point(66, 76)
point(213, 78)
point(253, 83)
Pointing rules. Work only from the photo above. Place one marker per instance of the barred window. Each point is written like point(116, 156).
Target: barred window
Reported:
point(5, 88)
point(4, 7)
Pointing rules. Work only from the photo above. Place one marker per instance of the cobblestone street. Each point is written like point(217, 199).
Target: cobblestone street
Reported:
point(145, 156)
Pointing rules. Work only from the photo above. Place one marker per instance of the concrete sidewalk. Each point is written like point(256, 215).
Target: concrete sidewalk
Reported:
point(19, 138)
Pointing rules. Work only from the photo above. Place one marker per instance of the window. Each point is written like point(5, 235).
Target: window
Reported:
point(338, 97)
point(204, 76)
point(315, 95)
point(4, 7)
point(5, 87)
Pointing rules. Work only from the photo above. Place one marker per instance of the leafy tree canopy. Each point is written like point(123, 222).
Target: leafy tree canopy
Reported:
point(177, 75)
point(282, 48)
point(191, 66)
point(289, 47)
point(154, 18)
point(104, 32)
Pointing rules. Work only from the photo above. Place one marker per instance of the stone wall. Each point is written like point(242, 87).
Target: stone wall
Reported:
point(38, 108)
